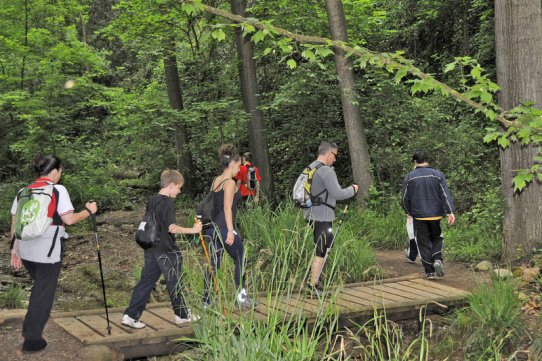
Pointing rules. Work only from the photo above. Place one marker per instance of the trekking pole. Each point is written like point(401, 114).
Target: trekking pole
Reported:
point(333, 241)
point(95, 228)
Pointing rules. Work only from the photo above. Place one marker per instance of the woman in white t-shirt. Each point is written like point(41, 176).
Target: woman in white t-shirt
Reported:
point(41, 255)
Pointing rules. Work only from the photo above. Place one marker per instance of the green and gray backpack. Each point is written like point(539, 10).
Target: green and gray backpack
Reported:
point(31, 219)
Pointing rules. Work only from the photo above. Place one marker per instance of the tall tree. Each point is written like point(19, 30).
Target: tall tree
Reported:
point(357, 142)
point(174, 92)
point(518, 32)
point(251, 100)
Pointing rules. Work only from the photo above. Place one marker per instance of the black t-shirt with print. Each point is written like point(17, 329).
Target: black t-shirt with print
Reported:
point(164, 208)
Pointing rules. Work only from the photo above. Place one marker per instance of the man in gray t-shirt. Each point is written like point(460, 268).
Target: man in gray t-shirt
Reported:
point(326, 191)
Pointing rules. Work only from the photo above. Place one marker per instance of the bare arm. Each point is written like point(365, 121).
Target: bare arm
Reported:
point(73, 218)
point(229, 192)
point(16, 261)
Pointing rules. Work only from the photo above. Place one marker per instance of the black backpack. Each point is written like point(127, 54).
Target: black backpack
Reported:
point(207, 211)
point(148, 232)
point(251, 177)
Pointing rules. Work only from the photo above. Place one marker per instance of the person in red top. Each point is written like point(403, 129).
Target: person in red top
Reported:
point(248, 179)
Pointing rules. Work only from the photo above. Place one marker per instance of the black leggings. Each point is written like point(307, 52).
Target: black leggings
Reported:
point(217, 244)
point(323, 236)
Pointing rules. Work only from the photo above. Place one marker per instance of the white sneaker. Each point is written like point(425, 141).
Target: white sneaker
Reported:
point(130, 322)
point(243, 301)
point(190, 318)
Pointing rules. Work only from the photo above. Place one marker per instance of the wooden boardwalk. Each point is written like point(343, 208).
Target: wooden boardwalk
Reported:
point(402, 298)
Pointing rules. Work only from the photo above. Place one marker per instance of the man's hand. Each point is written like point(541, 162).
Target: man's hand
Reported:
point(198, 226)
point(356, 188)
point(451, 219)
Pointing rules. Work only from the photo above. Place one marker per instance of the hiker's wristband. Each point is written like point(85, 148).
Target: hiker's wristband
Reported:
point(89, 211)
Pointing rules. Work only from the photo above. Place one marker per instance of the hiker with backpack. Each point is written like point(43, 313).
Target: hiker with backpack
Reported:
point(221, 234)
point(161, 254)
point(427, 199)
point(248, 179)
point(39, 214)
point(317, 191)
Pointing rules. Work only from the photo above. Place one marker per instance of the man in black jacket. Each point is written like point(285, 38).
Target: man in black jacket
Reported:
point(427, 199)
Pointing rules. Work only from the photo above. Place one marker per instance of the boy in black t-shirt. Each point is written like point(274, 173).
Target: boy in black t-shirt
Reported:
point(164, 258)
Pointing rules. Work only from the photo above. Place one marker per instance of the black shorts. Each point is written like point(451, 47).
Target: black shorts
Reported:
point(323, 236)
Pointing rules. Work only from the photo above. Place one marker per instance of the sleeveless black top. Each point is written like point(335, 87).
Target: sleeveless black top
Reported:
point(220, 218)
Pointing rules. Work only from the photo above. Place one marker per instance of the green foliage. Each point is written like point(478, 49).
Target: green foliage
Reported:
point(279, 242)
point(383, 339)
point(12, 297)
point(490, 327)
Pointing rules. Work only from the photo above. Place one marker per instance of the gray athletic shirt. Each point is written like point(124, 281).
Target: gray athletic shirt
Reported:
point(326, 178)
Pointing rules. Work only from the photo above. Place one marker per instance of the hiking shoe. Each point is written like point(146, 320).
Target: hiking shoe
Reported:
point(207, 304)
point(430, 276)
point(243, 301)
point(439, 268)
point(30, 345)
point(130, 322)
point(188, 319)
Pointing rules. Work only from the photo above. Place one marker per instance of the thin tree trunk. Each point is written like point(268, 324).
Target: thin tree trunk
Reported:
point(518, 32)
point(184, 160)
point(23, 65)
point(357, 142)
point(251, 100)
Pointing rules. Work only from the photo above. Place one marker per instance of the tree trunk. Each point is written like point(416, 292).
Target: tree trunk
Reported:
point(518, 33)
point(251, 100)
point(357, 142)
point(184, 161)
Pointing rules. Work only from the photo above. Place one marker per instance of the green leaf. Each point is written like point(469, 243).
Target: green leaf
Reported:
point(521, 180)
point(503, 142)
point(449, 67)
point(324, 52)
point(258, 36)
point(291, 63)
point(308, 54)
point(267, 51)
point(401, 73)
point(218, 34)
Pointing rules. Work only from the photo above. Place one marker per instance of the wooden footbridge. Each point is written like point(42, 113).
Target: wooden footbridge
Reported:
point(402, 298)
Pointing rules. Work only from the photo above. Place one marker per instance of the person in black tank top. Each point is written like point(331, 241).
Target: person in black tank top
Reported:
point(223, 236)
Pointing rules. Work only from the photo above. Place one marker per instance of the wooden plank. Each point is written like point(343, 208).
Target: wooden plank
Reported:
point(380, 294)
point(423, 287)
point(77, 329)
point(165, 313)
point(391, 289)
point(416, 291)
point(349, 305)
point(99, 324)
point(383, 281)
point(360, 303)
point(370, 297)
point(436, 284)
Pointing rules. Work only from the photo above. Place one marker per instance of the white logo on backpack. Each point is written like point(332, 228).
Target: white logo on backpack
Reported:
point(33, 213)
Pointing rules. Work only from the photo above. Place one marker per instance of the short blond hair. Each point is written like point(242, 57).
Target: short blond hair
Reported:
point(171, 176)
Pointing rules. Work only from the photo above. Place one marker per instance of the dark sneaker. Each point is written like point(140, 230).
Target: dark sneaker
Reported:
point(30, 346)
point(430, 276)
point(439, 268)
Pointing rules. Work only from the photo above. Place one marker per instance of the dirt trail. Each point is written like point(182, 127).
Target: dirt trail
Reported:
point(458, 275)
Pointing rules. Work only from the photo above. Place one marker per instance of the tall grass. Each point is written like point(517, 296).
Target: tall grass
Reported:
point(381, 339)
point(12, 298)
point(491, 326)
point(279, 247)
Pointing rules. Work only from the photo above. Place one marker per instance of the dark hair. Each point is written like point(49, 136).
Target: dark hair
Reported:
point(419, 157)
point(325, 147)
point(44, 164)
point(228, 153)
point(248, 156)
